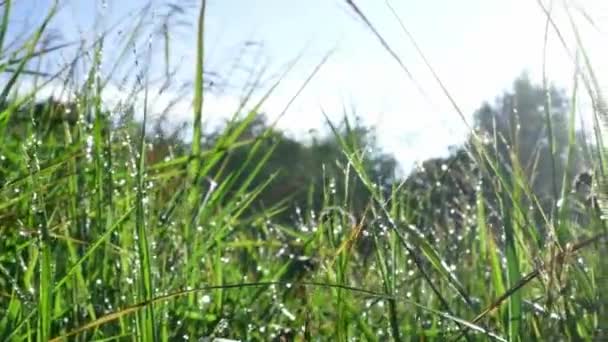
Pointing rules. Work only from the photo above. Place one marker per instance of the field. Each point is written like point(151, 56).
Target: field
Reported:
point(113, 227)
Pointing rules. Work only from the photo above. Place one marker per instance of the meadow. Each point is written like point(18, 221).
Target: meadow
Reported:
point(114, 227)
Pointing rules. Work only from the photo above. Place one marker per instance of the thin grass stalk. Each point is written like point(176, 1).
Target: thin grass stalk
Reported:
point(146, 287)
point(45, 267)
point(195, 164)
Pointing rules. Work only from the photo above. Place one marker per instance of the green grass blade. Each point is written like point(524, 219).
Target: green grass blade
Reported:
point(31, 46)
point(195, 164)
point(4, 24)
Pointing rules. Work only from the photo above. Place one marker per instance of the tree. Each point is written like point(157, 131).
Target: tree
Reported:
point(515, 132)
point(528, 129)
point(305, 171)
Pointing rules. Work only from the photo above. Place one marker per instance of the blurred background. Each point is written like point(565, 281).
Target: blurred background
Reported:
point(477, 48)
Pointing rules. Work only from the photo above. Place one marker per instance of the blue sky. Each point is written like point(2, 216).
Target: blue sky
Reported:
point(477, 47)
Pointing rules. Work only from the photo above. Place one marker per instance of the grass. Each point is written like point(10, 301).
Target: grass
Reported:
point(101, 241)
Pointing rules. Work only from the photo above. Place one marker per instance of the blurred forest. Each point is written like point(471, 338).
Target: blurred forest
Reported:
point(302, 172)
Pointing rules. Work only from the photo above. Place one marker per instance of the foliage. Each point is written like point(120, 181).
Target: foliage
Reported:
point(302, 170)
point(113, 228)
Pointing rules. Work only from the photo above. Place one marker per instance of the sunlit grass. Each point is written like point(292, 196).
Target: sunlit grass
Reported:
point(106, 236)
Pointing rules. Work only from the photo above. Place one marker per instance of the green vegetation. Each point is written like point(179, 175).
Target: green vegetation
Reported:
point(113, 228)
